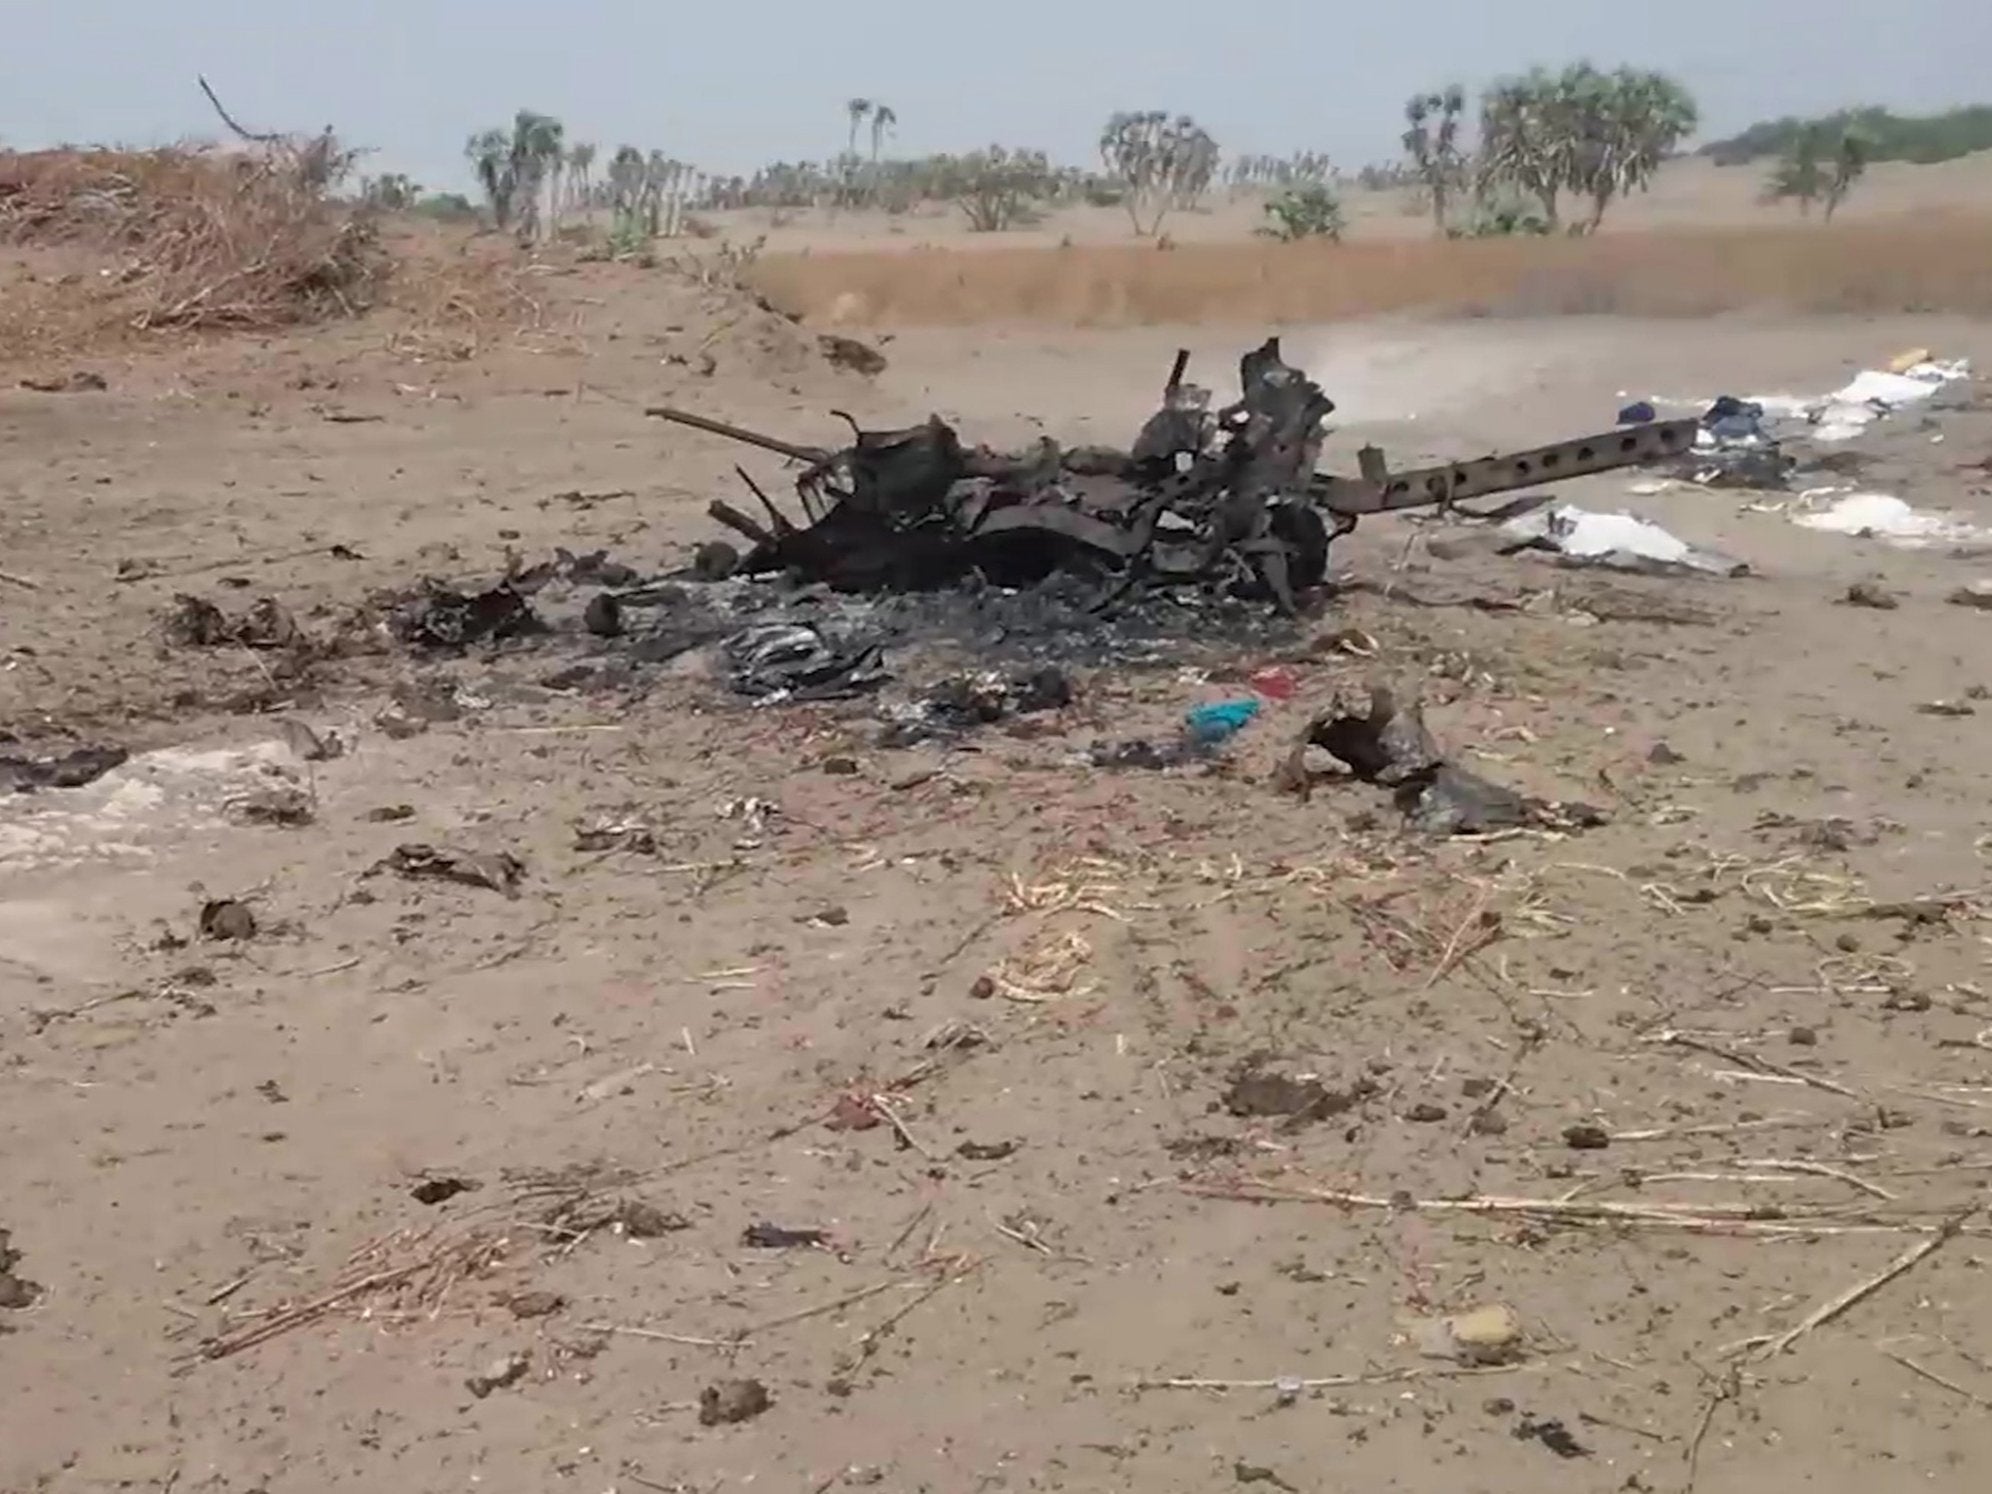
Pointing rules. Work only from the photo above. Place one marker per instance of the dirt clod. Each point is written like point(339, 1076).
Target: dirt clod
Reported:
point(732, 1401)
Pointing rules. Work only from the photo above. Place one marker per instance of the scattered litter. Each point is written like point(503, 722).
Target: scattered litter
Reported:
point(194, 622)
point(632, 836)
point(1212, 724)
point(1615, 541)
point(440, 616)
point(732, 1401)
point(1946, 708)
point(794, 661)
point(778, 1237)
point(1274, 682)
point(1734, 449)
point(962, 703)
point(498, 870)
point(1140, 752)
point(1553, 1435)
point(225, 918)
point(1389, 745)
point(22, 773)
point(499, 1375)
point(1482, 1336)
point(1639, 412)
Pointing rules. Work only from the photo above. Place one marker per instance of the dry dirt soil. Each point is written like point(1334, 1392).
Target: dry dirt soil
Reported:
point(422, 1186)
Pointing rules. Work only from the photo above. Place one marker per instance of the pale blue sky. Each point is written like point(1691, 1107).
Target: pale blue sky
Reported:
point(730, 85)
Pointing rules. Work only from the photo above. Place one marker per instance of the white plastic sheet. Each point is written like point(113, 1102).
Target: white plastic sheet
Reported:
point(1619, 541)
point(1886, 517)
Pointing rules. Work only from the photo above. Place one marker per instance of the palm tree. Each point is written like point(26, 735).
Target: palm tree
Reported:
point(857, 109)
point(882, 119)
point(1432, 142)
point(490, 153)
point(580, 161)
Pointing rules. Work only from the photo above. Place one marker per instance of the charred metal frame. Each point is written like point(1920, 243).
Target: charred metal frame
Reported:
point(1229, 497)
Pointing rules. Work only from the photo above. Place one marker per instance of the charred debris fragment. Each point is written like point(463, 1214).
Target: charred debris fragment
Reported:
point(1225, 499)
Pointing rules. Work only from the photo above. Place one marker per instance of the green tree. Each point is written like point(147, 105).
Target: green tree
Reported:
point(997, 188)
point(1159, 162)
point(1596, 135)
point(1821, 165)
point(1431, 140)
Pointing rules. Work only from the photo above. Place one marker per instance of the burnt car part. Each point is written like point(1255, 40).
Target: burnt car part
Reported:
point(1225, 498)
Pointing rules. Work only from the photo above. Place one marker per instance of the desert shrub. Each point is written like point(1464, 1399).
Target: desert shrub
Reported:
point(1312, 211)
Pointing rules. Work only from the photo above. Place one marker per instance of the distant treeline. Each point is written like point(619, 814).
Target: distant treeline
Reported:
point(1921, 138)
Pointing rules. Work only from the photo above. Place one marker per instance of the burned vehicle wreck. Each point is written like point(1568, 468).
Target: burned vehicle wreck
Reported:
point(1227, 498)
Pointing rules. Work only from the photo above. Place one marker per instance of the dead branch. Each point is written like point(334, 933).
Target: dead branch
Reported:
point(229, 120)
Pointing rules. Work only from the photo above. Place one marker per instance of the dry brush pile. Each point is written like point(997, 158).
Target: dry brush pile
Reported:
point(180, 239)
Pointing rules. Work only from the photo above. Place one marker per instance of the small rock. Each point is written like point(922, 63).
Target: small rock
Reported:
point(1977, 594)
point(1907, 1001)
point(1803, 1037)
point(983, 988)
point(440, 1189)
point(732, 1401)
point(534, 1304)
point(1871, 594)
point(1664, 756)
point(1425, 1113)
point(225, 918)
point(1484, 1335)
point(390, 814)
point(1586, 1136)
point(499, 1374)
point(840, 767)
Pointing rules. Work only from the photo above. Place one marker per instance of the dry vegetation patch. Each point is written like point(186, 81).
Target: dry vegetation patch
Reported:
point(1905, 265)
point(179, 239)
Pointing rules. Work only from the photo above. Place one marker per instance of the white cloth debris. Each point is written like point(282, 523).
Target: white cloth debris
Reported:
point(1883, 516)
point(1619, 541)
point(1851, 409)
point(1873, 393)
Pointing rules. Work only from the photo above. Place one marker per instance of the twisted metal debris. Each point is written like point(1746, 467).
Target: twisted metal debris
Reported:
point(1225, 499)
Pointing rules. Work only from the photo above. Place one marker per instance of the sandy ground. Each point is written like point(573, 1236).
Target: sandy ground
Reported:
point(823, 991)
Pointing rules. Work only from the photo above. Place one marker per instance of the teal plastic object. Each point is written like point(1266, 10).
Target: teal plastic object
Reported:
point(1211, 724)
